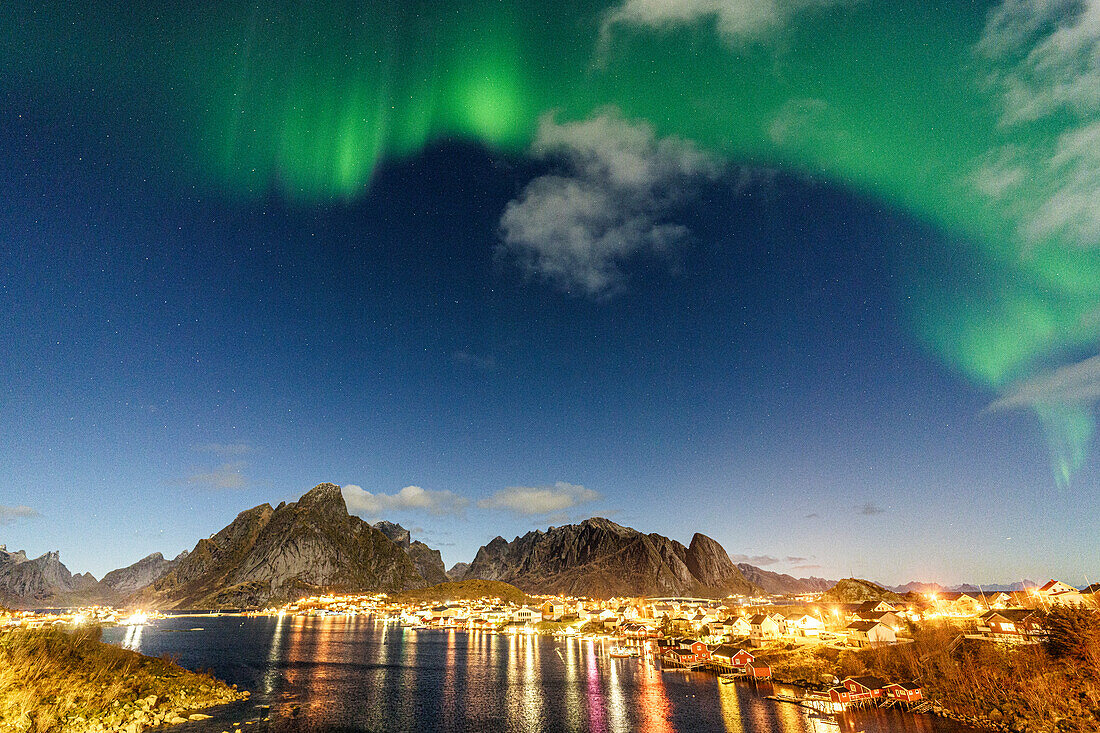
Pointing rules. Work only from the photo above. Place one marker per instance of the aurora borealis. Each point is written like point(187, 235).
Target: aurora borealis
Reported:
point(979, 121)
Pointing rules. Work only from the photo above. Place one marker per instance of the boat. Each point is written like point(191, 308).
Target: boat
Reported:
point(622, 652)
point(785, 698)
point(725, 679)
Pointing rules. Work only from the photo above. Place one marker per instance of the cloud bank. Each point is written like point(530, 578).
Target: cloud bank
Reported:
point(531, 500)
point(1073, 383)
point(738, 21)
point(225, 449)
point(410, 498)
point(9, 514)
point(225, 476)
point(1044, 60)
point(610, 201)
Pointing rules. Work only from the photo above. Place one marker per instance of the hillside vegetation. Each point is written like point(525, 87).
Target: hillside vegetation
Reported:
point(61, 682)
point(467, 590)
point(855, 590)
point(1053, 688)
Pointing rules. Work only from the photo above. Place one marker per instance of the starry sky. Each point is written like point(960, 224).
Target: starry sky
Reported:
point(818, 278)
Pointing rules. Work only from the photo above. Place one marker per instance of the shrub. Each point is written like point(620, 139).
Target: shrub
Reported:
point(1073, 634)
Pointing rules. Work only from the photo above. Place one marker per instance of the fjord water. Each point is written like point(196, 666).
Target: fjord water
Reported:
point(342, 674)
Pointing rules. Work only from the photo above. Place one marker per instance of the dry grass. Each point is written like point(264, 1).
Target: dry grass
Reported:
point(48, 676)
point(1023, 686)
point(993, 681)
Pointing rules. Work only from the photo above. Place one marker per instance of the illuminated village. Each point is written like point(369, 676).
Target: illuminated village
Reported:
point(735, 638)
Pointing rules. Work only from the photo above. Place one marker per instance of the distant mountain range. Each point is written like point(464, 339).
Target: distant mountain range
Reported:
point(919, 587)
point(43, 582)
point(269, 555)
point(781, 583)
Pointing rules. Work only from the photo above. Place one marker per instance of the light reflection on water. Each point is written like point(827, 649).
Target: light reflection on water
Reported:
point(337, 674)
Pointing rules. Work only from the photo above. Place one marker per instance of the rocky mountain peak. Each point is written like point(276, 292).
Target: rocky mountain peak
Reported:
point(326, 496)
point(395, 532)
point(14, 558)
point(602, 558)
point(604, 524)
point(303, 548)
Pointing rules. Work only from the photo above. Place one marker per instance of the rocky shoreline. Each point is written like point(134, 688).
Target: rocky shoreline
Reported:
point(54, 681)
point(134, 716)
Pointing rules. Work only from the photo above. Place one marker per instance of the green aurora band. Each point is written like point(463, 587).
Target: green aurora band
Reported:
point(891, 99)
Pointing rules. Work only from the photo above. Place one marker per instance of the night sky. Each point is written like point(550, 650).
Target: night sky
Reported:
point(818, 278)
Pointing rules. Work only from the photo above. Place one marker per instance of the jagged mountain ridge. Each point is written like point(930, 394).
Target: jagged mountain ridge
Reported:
point(271, 555)
point(923, 587)
point(781, 583)
point(45, 582)
point(145, 571)
point(601, 558)
point(428, 562)
point(458, 571)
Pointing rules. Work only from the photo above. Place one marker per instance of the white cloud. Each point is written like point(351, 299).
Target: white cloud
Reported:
point(410, 498)
point(609, 203)
point(529, 500)
point(759, 561)
point(225, 449)
point(1072, 211)
point(1073, 383)
point(225, 476)
point(1047, 56)
point(481, 362)
point(738, 21)
point(1043, 58)
point(9, 514)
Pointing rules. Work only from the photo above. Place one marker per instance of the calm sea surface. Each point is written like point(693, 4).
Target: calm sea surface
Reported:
point(361, 674)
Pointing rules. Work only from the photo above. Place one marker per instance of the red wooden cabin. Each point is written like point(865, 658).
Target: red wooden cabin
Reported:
point(759, 671)
point(865, 688)
point(905, 691)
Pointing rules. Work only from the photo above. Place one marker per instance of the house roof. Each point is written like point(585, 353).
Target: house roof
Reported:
point(871, 683)
point(871, 605)
point(875, 615)
point(758, 619)
point(910, 686)
point(864, 625)
point(1015, 615)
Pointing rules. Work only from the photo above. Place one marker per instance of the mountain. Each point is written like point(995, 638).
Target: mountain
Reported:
point(145, 571)
point(855, 590)
point(428, 562)
point(1016, 587)
point(273, 555)
point(45, 582)
point(600, 558)
point(916, 586)
point(920, 587)
point(781, 583)
point(458, 571)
